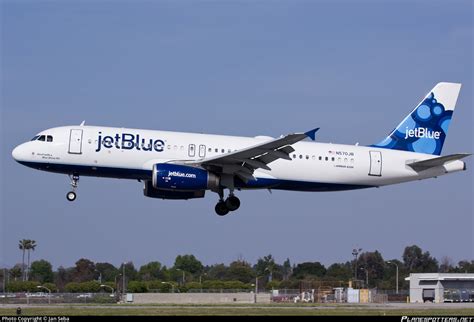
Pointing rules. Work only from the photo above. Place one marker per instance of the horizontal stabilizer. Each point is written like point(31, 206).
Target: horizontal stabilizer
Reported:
point(436, 162)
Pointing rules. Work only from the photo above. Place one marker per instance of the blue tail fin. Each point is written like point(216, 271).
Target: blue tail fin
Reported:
point(424, 130)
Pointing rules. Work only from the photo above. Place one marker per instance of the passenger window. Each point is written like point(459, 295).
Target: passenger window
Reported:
point(320, 158)
point(294, 156)
point(223, 150)
point(307, 157)
point(42, 138)
point(49, 138)
point(301, 157)
point(326, 158)
point(209, 150)
point(217, 150)
point(332, 159)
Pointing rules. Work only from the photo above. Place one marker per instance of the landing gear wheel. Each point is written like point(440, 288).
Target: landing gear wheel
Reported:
point(232, 203)
point(71, 196)
point(221, 208)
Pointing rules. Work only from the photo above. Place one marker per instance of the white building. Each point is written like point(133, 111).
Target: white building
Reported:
point(441, 287)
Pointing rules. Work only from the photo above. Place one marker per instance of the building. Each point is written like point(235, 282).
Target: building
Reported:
point(441, 287)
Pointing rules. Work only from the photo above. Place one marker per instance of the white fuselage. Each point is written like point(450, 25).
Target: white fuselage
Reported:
point(131, 153)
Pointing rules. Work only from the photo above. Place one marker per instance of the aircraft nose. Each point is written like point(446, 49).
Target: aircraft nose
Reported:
point(19, 153)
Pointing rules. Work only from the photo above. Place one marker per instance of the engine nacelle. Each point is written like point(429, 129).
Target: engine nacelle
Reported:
point(151, 192)
point(175, 177)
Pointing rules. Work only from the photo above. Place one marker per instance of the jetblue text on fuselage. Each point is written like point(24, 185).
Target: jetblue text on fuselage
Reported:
point(128, 141)
point(422, 132)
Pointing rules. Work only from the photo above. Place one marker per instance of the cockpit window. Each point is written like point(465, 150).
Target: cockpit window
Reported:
point(42, 138)
point(35, 138)
point(49, 138)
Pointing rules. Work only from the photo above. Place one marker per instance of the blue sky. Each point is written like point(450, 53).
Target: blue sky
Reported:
point(246, 68)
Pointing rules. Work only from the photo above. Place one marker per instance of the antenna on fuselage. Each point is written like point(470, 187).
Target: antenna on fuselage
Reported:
point(83, 122)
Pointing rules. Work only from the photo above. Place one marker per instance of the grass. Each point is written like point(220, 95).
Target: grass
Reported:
point(65, 310)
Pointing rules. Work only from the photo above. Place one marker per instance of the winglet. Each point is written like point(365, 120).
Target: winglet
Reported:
point(312, 134)
point(82, 123)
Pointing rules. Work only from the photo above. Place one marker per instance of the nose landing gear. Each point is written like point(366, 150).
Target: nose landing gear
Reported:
point(71, 195)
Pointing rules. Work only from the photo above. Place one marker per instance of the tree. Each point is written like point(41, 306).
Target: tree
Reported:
point(304, 270)
point(264, 265)
point(286, 269)
point(23, 244)
point(42, 271)
point(446, 265)
point(107, 271)
point(130, 271)
point(63, 276)
point(188, 263)
point(415, 261)
point(240, 271)
point(150, 271)
point(372, 264)
point(85, 271)
point(466, 266)
point(16, 272)
point(30, 246)
point(339, 272)
point(217, 272)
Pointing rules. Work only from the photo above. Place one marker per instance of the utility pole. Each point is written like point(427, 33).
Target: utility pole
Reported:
point(355, 253)
point(123, 281)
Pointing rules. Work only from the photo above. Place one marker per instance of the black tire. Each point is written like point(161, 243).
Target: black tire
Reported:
point(71, 196)
point(232, 203)
point(221, 208)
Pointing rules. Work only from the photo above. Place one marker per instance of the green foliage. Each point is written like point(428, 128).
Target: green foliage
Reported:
point(23, 286)
point(339, 272)
point(225, 285)
point(84, 287)
point(130, 271)
point(63, 276)
point(218, 272)
point(309, 269)
point(193, 285)
point(241, 271)
point(150, 271)
point(42, 271)
point(108, 271)
point(15, 272)
point(165, 288)
point(273, 285)
point(416, 261)
point(374, 264)
point(137, 287)
point(84, 271)
point(51, 286)
point(188, 263)
point(466, 266)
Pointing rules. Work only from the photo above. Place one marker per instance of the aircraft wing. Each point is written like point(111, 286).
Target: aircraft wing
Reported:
point(244, 162)
point(435, 162)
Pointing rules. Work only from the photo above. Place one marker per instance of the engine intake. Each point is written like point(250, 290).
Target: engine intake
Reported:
point(168, 176)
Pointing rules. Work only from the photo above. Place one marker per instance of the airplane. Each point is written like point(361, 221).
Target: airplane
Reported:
point(182, 166)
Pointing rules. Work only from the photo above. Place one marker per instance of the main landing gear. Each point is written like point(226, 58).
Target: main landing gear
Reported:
point(71, 195)
point(223, 207)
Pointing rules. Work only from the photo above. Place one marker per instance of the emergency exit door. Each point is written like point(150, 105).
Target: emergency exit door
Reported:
point(75, 142)
point(375, 163)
